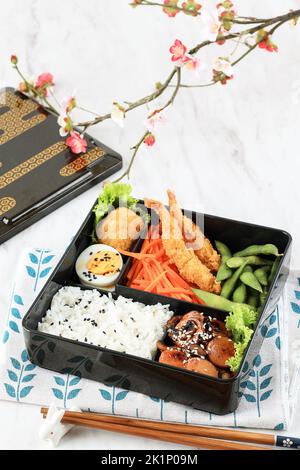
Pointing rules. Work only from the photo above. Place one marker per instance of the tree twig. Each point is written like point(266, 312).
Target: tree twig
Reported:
point(259, 24)
point(147, 3)
point(201, 85)
point(137, 147)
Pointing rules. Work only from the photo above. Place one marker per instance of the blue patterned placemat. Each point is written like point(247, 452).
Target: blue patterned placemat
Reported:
point(265, 402)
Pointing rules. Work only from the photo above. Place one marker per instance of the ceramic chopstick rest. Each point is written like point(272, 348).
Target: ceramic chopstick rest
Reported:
point(52, 429)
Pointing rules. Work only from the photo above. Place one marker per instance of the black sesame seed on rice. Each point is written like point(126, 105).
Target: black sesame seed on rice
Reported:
point(88, 306)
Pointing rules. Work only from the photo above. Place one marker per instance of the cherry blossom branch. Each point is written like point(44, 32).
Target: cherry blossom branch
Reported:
point(193, 51)
point(136, 148)
point(263, 38)
point(151, 97)
point(145, 100)
point(172, 7)
point(223, 22)
point(201, 85)
point(31, 88)
point(250, 31)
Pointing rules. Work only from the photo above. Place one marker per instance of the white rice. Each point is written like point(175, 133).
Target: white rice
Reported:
point(121, 325)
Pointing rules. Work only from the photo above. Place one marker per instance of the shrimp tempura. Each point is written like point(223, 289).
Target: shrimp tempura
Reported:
point(188, 264)
point(194, 238)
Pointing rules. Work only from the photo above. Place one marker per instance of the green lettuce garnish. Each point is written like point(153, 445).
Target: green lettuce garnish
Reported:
point(240, 323)
point(116, 195)
point(113, 196)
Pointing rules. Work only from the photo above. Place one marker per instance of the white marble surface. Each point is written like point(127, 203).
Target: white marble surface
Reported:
point(231, 151)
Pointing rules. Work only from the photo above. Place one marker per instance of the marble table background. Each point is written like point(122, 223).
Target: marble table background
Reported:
point(231, 151)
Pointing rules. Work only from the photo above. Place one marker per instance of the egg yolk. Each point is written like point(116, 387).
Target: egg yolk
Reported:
point(104, 263)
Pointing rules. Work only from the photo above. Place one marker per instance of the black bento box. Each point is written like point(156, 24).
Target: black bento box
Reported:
point(219, 396)
point(38, 172)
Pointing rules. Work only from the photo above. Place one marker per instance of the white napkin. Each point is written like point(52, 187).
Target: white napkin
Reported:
point(268, 400)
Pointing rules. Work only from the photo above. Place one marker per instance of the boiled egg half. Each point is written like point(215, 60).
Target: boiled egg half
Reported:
point(99, 266)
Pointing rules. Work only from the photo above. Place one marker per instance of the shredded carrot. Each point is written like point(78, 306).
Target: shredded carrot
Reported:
point(156, 280)
point(135, 255)
point(175, 290)
point(154, 272)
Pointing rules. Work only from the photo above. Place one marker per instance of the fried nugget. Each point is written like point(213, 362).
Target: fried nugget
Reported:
point(120, 228)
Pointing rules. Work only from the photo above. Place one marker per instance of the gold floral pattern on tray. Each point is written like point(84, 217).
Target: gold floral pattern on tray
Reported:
point(7, 203)
point(32, 163)
point(82, 162)
point(13, 121)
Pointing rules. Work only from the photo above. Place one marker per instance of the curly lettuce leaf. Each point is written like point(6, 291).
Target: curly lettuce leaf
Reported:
point(114, 195)
point(240, 323)
point(235, 361)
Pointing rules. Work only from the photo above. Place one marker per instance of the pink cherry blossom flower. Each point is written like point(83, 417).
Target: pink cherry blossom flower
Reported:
point(220, 77)
point(222, 64)
point(77, 143)
point(23, 88)
point(118, 114)
point(211, 25)
point(193, 64)
point(225, 6)
point(264, 41)
point(70, 104)
point(170, 8)
point(156, 118)
point(191, 7)
point(44, 81)
point(178, 51)
point(65, 123)
point(149, 140)
point(26, 87)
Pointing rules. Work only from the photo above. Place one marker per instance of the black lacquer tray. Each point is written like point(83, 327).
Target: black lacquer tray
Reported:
point(169, 383)
point(38, 172)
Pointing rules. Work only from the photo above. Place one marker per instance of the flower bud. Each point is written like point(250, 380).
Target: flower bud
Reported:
point(14, 59)
point(149, 139)
point(23, 88)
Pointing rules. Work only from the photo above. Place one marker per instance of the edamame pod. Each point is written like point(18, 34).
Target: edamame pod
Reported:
point(263, 297)
point(253, 298)
point(223, 249)
point(224, 271)
point(254, 250)
point(216, 301)
point(250, 280)
point(237, 261)
point(248, 269)
point(230, 284)
point(261, 275)
point(274, 269)
point(240, 294)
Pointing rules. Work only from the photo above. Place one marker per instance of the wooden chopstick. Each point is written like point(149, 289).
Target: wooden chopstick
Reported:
point(158, 431)
point(203, 431)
